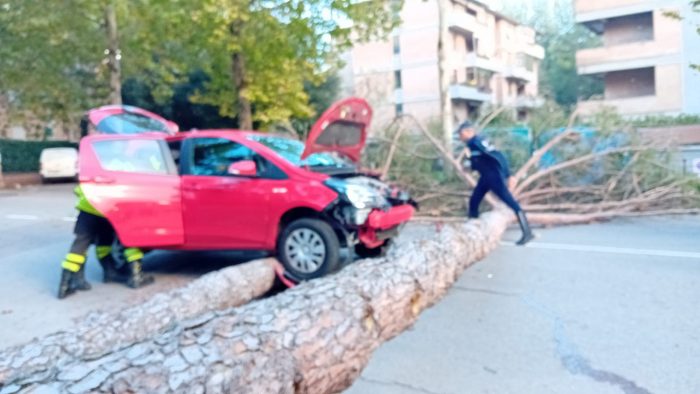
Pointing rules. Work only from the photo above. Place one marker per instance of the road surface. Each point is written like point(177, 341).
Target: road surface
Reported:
point(605, 308)
point(36, 227)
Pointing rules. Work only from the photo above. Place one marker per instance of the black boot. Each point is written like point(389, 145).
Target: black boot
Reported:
point(525, 227)
point(79, 282)
point(137, 278)
point(111, 273)
point(66, 286)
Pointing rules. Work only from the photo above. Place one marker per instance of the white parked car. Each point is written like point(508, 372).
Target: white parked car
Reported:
point(55, 163)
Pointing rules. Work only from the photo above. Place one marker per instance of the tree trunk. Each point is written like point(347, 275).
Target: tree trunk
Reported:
point(314, 338)
point(444, 75)
point(238, 70)
point(102, 334)
point(114, 55)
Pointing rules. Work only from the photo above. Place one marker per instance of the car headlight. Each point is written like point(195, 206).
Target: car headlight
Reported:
point(361, 197)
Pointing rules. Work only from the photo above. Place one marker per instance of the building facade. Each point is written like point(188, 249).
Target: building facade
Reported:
point(645, 57)
point(491, 59)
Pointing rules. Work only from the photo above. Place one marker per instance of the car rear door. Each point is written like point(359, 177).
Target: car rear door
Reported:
point(133, 182)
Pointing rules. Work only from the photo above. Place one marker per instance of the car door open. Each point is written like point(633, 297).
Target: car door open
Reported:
point(133, 182)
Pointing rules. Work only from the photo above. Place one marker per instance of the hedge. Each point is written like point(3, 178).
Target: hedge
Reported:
point(23, 156)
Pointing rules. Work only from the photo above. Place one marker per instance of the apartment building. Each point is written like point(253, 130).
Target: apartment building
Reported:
point(645, 56)
point(491, 60)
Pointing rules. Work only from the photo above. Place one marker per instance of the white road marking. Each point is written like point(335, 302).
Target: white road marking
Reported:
point(609, 249)
point(22, 217)
point(69, 219)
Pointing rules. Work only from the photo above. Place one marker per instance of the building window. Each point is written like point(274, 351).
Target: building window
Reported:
point(471, 76)
point(471, 11)
point(397, 45)
point(399, 109)
point(397, 79)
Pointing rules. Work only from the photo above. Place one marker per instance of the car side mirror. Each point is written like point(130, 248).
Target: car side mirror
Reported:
point(243, 168)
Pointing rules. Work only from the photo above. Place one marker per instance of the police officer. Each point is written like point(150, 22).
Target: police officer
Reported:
point(492, 167)
point(93, 228)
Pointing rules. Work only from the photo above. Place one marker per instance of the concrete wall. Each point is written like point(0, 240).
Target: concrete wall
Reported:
point(691, 55)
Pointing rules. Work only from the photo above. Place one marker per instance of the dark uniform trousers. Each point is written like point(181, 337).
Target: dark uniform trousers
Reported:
point(491, 180)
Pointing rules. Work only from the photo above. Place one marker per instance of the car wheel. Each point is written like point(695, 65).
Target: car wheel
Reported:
point(308, 249)
point(363, 252)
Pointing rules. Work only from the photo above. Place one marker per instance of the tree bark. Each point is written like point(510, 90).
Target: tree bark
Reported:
point(314, 338)
point(444, 75)
point(102, 334)
point(240, 82)
point(114, 55)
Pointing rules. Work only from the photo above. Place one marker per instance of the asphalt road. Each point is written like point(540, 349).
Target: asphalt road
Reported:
point(605, 308)
point(36, 227)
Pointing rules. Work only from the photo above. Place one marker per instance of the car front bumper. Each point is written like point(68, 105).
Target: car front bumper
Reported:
point(382, 225)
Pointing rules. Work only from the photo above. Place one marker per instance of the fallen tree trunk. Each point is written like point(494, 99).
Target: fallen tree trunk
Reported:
point(315, 338)
point(104, 333)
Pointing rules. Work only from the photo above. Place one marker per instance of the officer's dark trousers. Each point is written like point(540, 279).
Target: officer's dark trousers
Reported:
point(494, 182)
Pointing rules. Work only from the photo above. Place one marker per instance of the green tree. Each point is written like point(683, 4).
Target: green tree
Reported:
point(561, 37)
point(259, 54)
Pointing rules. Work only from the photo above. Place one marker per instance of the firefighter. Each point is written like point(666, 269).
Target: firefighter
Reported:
point(93, 228)
point(494, 176)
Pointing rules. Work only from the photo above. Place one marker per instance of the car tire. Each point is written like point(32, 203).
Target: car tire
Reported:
point(308, 249)
point(363, 252)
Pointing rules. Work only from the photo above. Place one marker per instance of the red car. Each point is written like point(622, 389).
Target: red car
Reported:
point(236, 190)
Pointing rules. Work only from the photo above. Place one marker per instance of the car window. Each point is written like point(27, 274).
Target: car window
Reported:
point(213, 156)
point(292, 150)
point(139, 156)
point(130, 123)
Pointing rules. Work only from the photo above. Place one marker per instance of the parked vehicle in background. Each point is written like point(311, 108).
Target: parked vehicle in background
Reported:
point(239, 190)
point(58, 163)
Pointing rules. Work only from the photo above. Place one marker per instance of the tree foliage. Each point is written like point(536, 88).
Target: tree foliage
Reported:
point(55, 61)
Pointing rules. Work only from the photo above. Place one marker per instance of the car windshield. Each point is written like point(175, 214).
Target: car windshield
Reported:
point(130, 123)
point(292, 150)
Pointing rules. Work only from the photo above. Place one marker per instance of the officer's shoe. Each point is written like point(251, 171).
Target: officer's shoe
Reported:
point(137, 278)
point(525, 227)
point(111, 273)
point(66, 288)
point(79, 282)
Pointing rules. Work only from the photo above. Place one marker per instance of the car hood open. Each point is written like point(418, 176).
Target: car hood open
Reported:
point(342, 128)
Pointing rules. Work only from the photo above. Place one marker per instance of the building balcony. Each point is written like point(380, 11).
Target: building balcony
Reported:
point(472, 60)
point(596, 10)
point(462, 22)
point(626, 57)
point(469, 93)
point(518, 72)
point(634, 106)
point(525, 101)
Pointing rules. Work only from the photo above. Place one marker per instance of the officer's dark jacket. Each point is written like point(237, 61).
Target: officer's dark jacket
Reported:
point(485, 158)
